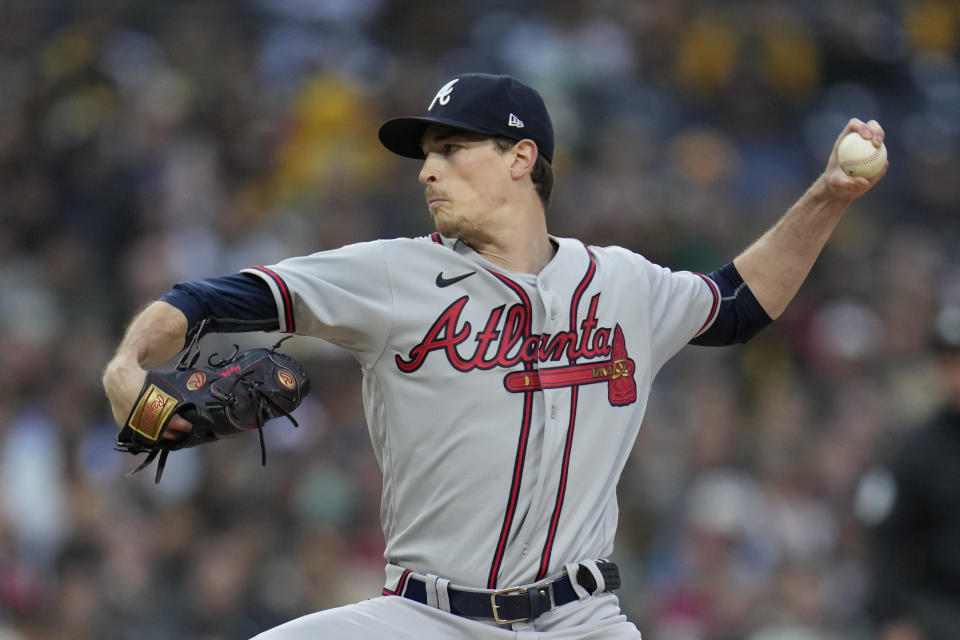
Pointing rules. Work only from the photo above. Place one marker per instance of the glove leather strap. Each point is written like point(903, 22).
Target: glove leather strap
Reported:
point(151, 412)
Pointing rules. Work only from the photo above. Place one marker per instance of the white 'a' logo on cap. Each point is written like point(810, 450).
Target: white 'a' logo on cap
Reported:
point(443, 96)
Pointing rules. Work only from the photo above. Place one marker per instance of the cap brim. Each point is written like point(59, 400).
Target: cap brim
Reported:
point(404, 136)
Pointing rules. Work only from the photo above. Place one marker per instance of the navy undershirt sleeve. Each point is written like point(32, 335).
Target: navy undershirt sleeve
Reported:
point(740, 316)
point(229, 304)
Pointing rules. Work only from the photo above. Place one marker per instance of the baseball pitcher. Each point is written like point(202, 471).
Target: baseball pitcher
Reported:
point(505, 370)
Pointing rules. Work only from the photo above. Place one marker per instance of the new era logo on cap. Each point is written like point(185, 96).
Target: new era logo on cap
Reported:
point(492, 105)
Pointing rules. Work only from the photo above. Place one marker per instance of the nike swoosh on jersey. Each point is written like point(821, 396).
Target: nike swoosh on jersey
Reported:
point(446, 282)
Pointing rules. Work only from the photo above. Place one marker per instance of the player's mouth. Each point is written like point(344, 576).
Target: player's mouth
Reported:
point(434, 201)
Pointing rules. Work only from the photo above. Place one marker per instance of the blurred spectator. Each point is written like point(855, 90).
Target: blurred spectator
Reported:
point(914, 505)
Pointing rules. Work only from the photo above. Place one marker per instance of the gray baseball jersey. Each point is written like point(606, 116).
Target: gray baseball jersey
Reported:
point(502, 406)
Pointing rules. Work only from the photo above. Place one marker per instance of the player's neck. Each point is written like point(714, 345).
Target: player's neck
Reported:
point(523, 247)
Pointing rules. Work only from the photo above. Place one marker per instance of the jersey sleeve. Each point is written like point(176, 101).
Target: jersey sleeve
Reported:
point(236, 302)
point(682, 306)
point(343, 296)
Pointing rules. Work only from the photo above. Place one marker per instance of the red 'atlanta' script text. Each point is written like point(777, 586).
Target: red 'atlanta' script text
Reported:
point(505, 340)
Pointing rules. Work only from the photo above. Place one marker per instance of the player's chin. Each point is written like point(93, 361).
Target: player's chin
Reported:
point(447, 224)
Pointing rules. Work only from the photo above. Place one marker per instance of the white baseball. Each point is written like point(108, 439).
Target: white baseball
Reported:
point(858, 156)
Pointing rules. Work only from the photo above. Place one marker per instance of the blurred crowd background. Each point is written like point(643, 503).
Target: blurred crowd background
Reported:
point(144, 142)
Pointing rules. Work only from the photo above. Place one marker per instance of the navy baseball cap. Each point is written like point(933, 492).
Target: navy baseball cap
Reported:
point(480, 102)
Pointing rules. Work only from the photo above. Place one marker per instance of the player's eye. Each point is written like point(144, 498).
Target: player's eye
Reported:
point(450, 148)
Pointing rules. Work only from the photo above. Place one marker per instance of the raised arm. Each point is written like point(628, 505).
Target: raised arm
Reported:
point(776, 264)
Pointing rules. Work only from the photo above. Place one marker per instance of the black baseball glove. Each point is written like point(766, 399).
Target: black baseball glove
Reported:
point(225, 399)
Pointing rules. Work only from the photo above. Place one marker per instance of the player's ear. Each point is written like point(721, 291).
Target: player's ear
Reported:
point(525, 155)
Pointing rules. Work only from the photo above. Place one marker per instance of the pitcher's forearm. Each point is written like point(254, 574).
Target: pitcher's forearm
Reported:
point(154, 336)
point(776, 264)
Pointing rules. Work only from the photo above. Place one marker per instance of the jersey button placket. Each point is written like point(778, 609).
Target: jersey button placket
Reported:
point(551, 306)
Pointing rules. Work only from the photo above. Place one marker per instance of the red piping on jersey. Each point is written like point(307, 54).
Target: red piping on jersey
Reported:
point(284, 296)
point(436, 237)
point(400, 585)
point(521, 444)
point(561, 488)
point(568, 445)
point(587, 278)
point(714, 308)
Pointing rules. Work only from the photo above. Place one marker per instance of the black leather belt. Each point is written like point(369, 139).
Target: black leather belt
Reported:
point(518, 604)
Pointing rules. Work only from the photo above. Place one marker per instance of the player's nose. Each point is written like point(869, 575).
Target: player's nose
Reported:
point(428, 172)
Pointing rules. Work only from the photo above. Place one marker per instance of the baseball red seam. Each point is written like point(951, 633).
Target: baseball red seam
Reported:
point(864, 160)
